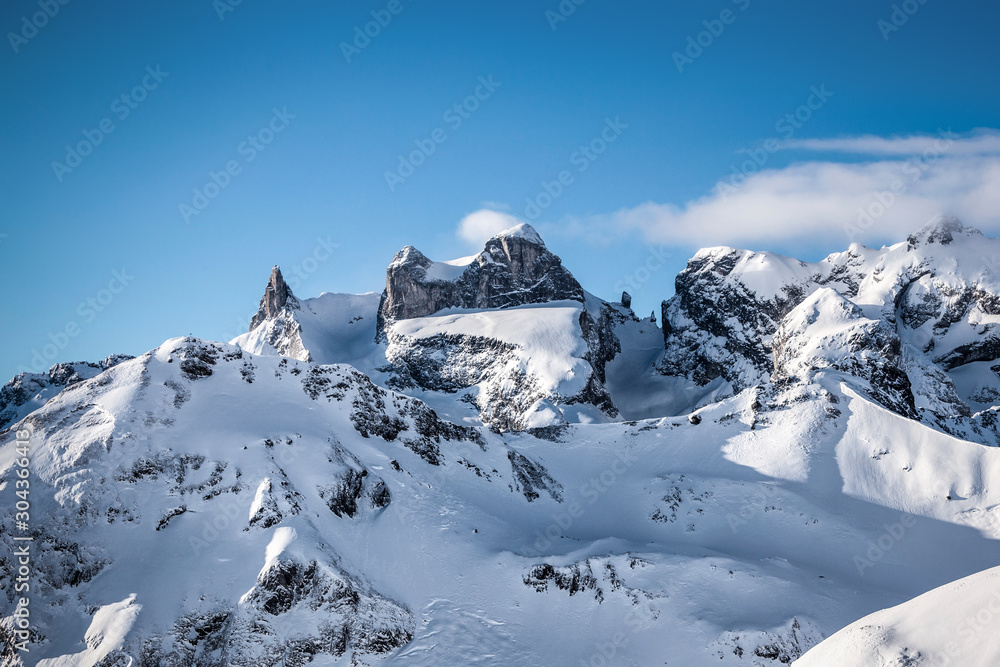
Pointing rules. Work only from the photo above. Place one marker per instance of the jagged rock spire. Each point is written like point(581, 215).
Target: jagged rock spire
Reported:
point(277, 295)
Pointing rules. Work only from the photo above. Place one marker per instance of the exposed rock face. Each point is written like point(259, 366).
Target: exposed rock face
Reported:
point(826, 331)
point(278, 308)
point(603, 345)
point(515, 268)
point(380, 413)
point(931, 305)
point(531, 477)
point(602, 576)
point(514, 386)
point(352, 620)
point(26, 392)
point(277, 295)
point(716, 325)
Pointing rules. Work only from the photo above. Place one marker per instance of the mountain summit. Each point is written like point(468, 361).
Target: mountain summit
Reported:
point(277, 295)
point(513, 269)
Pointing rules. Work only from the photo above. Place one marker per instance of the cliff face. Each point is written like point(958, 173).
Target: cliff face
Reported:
point(515, 268)
point(513, 389)
point(923, 333)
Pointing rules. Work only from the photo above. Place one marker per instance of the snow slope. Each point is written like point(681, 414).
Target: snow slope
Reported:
point(951, 625)
point(243, 480)
point(523, 484)
point(331, 328)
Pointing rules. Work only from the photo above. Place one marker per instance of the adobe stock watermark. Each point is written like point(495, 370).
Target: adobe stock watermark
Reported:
point(786, 127)
point(899, 16)
point(581, 158)
point(655, 260)
point(978, 624)
point(87, 311)
point(605, 652)
point(308, 265)
point(31, 25)
point(225, 517)
point(696, 44)
point(562, 13)
point(122, 107)
point(20, 556)
point(892, 534)
point(589, 493)
point(248, 149)
point(363, 35)
point(913, 170)
point(240, 327)
point(454, 116)
point(223, 7)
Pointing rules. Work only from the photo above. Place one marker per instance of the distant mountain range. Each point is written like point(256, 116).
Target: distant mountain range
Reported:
point(487, 464)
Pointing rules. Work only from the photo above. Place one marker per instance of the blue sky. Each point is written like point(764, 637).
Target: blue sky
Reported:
point(309, 128)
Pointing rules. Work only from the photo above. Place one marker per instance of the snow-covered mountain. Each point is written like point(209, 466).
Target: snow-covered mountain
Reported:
point(488, 465)
point(26, 392)
point(509, 331)
point(933, 299)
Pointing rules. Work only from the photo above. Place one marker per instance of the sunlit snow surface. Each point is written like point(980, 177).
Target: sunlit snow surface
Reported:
point(179, 497)
point(689, 541)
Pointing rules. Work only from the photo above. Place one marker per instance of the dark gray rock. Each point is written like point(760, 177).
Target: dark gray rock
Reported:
point(277, 296)
point(515, 268)
point(531, 477)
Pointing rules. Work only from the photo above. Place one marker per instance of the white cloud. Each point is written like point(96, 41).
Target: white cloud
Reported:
point(980, 142)
point(482, 225)
point(872, 201)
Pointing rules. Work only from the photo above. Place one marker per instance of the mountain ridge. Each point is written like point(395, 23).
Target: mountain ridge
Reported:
point(444, 492)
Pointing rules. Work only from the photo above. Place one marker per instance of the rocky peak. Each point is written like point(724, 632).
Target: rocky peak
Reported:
point(409, 256)
point(513, 269)
point(277, 295)
point(522, 231)
point(727, 303)
point(942, 230)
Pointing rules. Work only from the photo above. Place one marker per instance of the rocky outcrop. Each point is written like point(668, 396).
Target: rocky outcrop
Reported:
point(515, 268)
point(932, 305)
point(717, 324)
point(277, 296)
point(603, 346)
point(530, 477)
point(333, 614)
point(827, 332)
point(383, 414)
point(512, 386)
point(26, 392)
point(277, 321)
